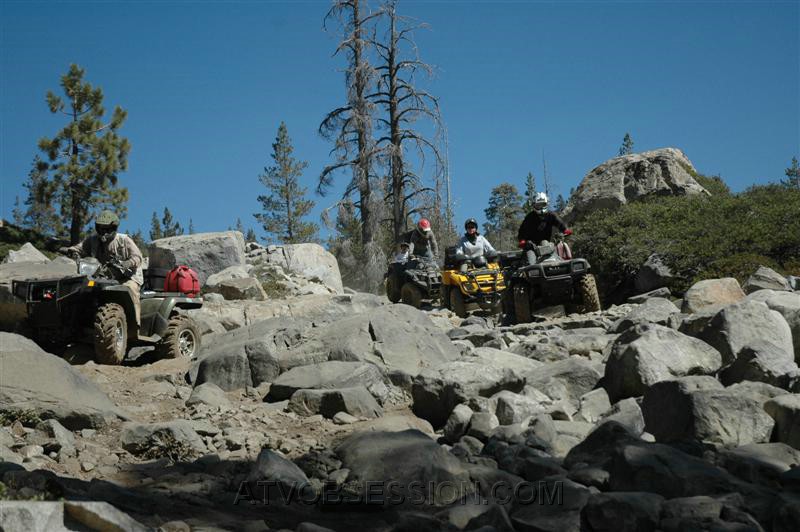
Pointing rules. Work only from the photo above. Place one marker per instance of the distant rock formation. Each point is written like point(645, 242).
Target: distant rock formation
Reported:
point(666, 171)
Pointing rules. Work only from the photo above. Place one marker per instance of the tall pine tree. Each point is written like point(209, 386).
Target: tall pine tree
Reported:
point(87, 154)
point(503, 216)
point(40, 213)
point(155, 227)
point(793, 174)
point(627, 145)
point(285, 204)
point(170, 226)
point(530, 192)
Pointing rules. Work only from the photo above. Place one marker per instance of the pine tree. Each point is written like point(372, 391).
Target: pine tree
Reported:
point(793, 174)
point(239, 226)
point(503, 216)
point(251, 236)
point(170, 227)
point(155, 228)
point(87, 154)
point(285, 205)
point(627, 145)
point(191, 227)
point(530, 192)
point(17, 214)
point(40, 213)
point(560, 204)
point(138, 239)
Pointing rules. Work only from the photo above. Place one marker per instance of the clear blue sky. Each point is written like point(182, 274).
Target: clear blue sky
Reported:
point(206, 84)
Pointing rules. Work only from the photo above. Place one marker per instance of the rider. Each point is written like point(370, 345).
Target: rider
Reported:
point(115, 250)
point(538, 225)
point(473, 246)
point(421, 240)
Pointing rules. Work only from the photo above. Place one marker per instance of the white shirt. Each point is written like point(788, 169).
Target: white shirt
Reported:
point(471, 250)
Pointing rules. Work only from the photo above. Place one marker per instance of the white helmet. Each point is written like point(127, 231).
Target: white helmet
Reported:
point(540, 203)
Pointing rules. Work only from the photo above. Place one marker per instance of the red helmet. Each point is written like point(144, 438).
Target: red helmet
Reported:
point(424, 225)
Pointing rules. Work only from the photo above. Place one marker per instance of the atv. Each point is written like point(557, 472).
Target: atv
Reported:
point(554, 279)
point(413, 281)
point(95, 307)
point(471, 284)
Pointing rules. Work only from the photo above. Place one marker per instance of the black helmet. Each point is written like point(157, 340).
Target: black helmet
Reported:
point(471, 221)
point(479, 262)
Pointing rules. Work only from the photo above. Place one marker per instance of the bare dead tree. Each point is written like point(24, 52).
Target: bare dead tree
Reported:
point(404, 104)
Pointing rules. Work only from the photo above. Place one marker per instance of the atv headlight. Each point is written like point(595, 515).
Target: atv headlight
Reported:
point(578, 267)
point(536, 272)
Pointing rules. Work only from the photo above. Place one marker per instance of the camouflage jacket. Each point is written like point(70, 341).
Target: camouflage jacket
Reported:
point(122, 248)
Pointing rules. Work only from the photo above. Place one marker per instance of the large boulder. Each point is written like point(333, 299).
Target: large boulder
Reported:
point(355, 401)
point(766, 279)
point(666, 171)
point(755, 343)
point(12, 308)
point(308, 260)
point(408, 458)
point(652, 275)
point(712, 294)
point(26, 253)
point(785, 410)
point(653, 310)
point(393, 337)
point(788, 305)
point(246, 288)
point(329, 375)
point(700, 409)
point(205, 253)
point(33, 380)
point(647, 354)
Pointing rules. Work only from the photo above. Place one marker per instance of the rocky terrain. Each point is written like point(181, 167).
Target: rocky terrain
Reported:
point(659, 414)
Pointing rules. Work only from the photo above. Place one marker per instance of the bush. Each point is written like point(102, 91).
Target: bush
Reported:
point(699, 237)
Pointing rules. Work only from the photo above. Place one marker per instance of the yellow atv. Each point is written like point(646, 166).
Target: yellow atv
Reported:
point(479, 285)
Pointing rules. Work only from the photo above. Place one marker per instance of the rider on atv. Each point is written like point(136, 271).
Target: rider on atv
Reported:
point(473, 246)
point(116, 251)
point(421, 241)
point(538, 225)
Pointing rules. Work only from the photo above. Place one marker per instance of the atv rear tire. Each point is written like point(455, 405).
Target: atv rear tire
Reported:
point(393, 289)
point(182, 338)
point(457, 304)
point(411, 295)
point(522, 304)
point(110, 334)
point(590, 298)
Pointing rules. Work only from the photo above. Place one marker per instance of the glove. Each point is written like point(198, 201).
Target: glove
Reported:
point(68, 251)
point(567, 232)
point(127, 264)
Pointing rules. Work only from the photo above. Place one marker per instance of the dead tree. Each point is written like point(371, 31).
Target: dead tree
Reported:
point(403, 104)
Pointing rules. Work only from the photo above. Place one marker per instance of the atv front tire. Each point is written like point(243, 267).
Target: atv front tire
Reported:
point(411, 295)
point(110, 334)
point(182, 338)
point(457, 303)
point(590, 298)
point(393, 289)
point(522, 304)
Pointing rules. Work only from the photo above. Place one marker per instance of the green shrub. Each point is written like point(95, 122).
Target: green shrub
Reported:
point(699, 237)
point(28, 418)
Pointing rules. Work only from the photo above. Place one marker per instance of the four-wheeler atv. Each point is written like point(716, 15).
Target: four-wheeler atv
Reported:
point(94, 307)
point(480, 285)
point(555, 279)
point(413, 281)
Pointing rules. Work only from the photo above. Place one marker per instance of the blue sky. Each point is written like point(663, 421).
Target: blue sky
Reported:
point(206, 84)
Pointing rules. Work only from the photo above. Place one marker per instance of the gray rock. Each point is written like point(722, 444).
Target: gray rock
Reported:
point(38, 381)
point(481, 425)
point(403, 457)
point(59, 516)
point(653, 310)
point(228, 274)
point(515, 408)
point(542, 349)
point(698, 408)
point(457, 423)
point(208, 394)
point(556, 507)
point(693, 509)
point(270, 467)
point(761, 463)
point(26, 253)
point(309, 260)
point(623, 511)
point(622, 179)
point(206, 253)
point(51, 430)
point(101, 516)
point(647, 354)
point(658, 292)
point(628, 413)
point(712, 294)
point(138, 438)
point(233, 289)
point(788, 305)
point(594, 405)
point(329, 375)
point(785, 410)
point(585, 341)
point(653, 275)
point(343, 418)
point(765, 279)
point(355, 401)
point(577, 375)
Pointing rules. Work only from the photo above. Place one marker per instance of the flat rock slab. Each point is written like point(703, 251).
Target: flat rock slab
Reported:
point(329, 375)
point(356, 401)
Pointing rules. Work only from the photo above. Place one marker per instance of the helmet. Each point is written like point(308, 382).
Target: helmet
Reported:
point(470, 221)
point(424, 226)
point(106, 225)
point(471, 234)
point(479, 262)
point(540, 203)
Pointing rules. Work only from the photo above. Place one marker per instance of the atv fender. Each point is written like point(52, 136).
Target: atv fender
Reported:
point(122, 295)
point(170, 306)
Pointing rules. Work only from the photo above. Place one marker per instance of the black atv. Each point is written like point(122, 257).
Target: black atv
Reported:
point(95, 307)
point(552, 280)
point(414, 281)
